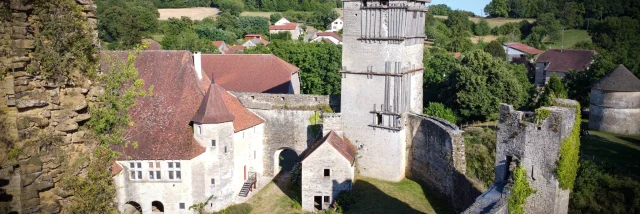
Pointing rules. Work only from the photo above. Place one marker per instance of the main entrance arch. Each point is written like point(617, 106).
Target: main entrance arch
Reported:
point(284, 159)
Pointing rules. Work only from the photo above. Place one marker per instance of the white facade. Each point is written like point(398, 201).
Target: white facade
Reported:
point(336, 25)
point(282, 21)
point(219, 172)
point(330, 38)
point(315, 183)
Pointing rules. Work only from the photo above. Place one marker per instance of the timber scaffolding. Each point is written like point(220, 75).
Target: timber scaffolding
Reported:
point(403, 23)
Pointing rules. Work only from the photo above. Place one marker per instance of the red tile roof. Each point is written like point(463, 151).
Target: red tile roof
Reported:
point(244, 118)
point(288, 26)
point(237, 48)
point(217, 43)
point(162, 120)
point(115, 168)
point(343, 146)
point(330, 34)
point(525, 48)
point(566, 60)
point(261, 73)
point(213, 109)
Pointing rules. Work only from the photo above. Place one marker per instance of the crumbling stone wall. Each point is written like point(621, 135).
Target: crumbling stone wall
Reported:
point(40, 135)
point(436, 156)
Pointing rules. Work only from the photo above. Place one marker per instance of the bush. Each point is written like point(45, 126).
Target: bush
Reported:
point(496, 50)
point(438, 110)
point(296, 174)
point(480, 145)
point(482, 28)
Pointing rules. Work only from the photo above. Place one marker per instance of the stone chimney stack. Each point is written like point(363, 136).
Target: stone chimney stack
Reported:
point(197, 63)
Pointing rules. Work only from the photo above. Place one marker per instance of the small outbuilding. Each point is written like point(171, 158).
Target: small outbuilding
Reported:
point(615, 103)
point(327, 169)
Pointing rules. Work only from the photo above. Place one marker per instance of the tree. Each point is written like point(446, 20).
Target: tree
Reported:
point(554, 89)
point(572, 15)
point(274, 17)
point(460, 26)
point(499, 8)
point(482, 28)
point(253, 24)
point(496, 50)
point(438, 110)
point(188, 40)
point(438, 80)
point(550, 25)
point(235, 7)
point(440, 9)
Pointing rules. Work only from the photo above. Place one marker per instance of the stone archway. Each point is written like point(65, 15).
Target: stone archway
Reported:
point(157, 207)
point(132, 207)
point(284, 159)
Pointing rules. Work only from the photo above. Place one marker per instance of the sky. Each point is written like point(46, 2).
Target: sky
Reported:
point(475, 6)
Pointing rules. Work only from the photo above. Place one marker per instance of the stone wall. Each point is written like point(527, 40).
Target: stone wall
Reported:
point(615, 112)
point(436, 156)
point(39, 120)
point(286, 101)
point(314, 183)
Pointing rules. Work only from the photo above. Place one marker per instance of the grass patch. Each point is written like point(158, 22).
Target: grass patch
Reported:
point(373, 196)
point(571, 37)
point(619, 151)
point(257, 13)
point(494, 22)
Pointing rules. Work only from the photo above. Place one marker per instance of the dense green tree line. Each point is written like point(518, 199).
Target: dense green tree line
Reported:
point(124, 23)
point(319, 63)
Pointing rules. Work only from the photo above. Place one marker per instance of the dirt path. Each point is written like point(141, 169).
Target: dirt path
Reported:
point(195, 13)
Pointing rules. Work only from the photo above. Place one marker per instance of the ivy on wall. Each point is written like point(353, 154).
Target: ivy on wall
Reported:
point(519, 191)
point(63, 41)
point(540, 115)
point(569, 154)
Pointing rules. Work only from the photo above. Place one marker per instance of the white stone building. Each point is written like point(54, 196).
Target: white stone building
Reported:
point(328, 36)
point(283, 25)
point(336, 25)
point(327, 169)
point(282, 21)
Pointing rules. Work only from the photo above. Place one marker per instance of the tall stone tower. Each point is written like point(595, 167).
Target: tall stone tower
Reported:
point(381, 80)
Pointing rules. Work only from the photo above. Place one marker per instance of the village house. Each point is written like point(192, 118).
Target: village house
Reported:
point(259, 73)
point(223, 47)
point(561, 62)
point(254, 42)
point(516, 50)
point(336, 25)
point(253, 36)
point(194, 140)
point(615, 103)
point(283, 25)
point(327, 169)
point(282, 21)
point(328, 36)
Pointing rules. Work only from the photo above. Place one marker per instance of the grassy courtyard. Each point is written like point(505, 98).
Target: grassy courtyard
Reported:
point(373, 196)
point(618, 151)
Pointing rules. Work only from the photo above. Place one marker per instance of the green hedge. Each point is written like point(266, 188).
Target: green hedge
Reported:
point(569, 155)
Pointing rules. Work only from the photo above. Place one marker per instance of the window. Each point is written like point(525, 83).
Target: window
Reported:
point(225, 149)
point(213, 182)
point(154, 171)
point(326, 199)
point(213, 143)
point(327, 172)
point(174, 171)
point(199, 129)
point(379, 119)
point(254, 154)
point(135, 170)
point(182, 206)
point(414, 14)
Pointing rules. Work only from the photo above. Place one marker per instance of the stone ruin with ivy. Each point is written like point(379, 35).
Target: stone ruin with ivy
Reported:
point(544, 144)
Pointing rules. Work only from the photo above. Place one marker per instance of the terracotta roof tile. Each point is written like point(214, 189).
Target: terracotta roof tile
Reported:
point(330, 34)
point(213, 109)
point(115, 168)
point(566, 60)
point(217, 43)
point(343, 146)
point(244, 118)
point(620, 79)
point(260, 73)
point(288, 26)
point(162, 120)
point(237, 48)
point(153, 45)
point(525, 48)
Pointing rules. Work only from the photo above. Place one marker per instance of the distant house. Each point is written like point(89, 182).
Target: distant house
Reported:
point(519, 50)
point(223, 47)
point(259, 73)
point(282, 21)
point(561, 62)
point(311, 34)
point(237, 48)
point(327, 169)
point(293, 28)
point(336, 25)
point(254, 42)
point(253, 36)
point(328, 36)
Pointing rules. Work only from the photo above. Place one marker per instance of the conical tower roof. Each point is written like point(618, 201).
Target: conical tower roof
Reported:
point(620, 79)
point(213, 109)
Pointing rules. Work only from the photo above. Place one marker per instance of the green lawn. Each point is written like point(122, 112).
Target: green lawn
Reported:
point(257, 13)
point(571, 37)
point(494, 22)
point(372, 196)
point(621, 152)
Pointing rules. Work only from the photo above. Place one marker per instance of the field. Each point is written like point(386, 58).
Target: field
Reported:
point(494, 22)
point(195, 13)
point(571, 37)
point(372, 196)
point(619, 151)
point(257, 13)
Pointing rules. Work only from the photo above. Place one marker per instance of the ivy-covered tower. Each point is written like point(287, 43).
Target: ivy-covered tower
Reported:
point(381, 80)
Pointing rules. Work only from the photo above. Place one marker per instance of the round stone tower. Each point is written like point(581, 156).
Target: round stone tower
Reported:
point(615, 103)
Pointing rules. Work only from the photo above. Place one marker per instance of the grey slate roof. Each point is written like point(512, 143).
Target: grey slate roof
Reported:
point(620, 79)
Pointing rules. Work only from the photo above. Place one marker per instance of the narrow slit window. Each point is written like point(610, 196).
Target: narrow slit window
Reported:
point(327, 172)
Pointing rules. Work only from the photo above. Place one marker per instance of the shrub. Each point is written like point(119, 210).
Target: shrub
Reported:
point(438, 110)
point(480, 145)
point(519, 191)
point(482, 28)
point(495, 49)
point(599, 191)
point(296, 174)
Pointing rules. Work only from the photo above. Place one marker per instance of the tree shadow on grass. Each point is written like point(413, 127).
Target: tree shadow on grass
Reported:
point(621, 158)
point(370, 199)
point(438, 201)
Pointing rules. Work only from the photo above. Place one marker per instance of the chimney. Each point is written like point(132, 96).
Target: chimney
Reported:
point(197, 63)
